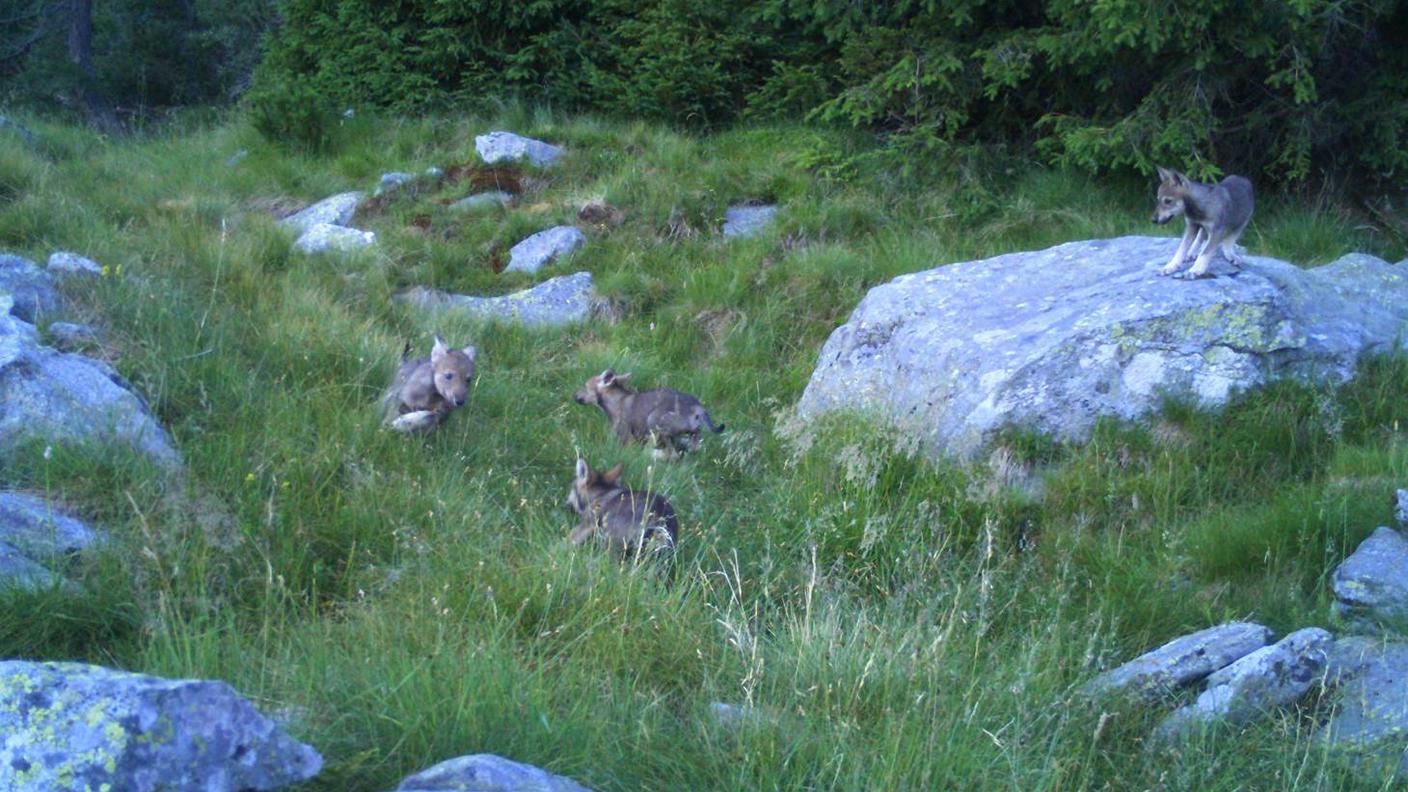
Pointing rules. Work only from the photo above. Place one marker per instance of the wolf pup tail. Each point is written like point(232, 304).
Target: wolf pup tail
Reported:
point(709, 422)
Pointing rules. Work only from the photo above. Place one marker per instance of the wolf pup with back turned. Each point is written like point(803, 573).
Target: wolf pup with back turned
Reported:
point(1216, 213)
point(669, 419)
point(627, 520)
point(427, 389)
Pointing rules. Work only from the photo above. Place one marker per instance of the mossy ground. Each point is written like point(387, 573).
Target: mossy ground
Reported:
point(901, 625)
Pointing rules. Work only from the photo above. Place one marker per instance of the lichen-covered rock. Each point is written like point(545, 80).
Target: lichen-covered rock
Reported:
point(543, 248)
point(334, 210)
point(1371, 586)
point(1370, 716)
point(482, 200)
point(1054, 339)
point(324, 237)
point(67, 263)
point(746, 221)
point(563, 300)
point(1182, 661)
point(506, 146)
point(1271, 677)
point(31, 289)
point(74, 726)
point(487, 773)
point(45, 393)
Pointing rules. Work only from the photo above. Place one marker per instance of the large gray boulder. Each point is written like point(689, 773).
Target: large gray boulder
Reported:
point(566, 299)
point(1182, 661)
point(1370, 716)
point(30, 288)
point(45, 393)
point(19, 571)
point(334, 210)
point(506, 146)
point(325, 237)
point(543, 248)
point(1054, 339)
point(1271, 677)
point(487, 773)
point(75, 726)
point(746, 221)
point(1371, 586)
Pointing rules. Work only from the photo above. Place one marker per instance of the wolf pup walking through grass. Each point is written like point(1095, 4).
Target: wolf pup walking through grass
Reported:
point(668, 419)
point(427, 389)
point(1216, 213)
point(629, 521)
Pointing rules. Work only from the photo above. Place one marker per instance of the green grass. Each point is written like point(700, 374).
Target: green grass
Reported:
point(900, 624)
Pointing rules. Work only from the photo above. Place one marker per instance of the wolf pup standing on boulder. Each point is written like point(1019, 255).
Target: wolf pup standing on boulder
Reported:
point(427, 389)
point(670, 420)
point(627, 520)
point(1216, 213)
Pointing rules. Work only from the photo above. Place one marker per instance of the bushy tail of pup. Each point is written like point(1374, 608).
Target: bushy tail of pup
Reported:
point(709, 422)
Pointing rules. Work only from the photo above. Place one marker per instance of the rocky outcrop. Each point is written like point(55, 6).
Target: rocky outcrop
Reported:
point(49, 394)
point(68, 336)
point(75, 726)
point(1054, 339)
point(393, 181)
point(543, 248)
point(324, 237)
point(31, 289)
point(487, 773)
point(1271, 677)
point(507, 147)
point(1182, 661)
point(563, 300)
point(746, 221)
point(336, 210)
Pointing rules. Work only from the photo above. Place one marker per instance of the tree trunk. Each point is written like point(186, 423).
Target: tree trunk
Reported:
point(80, 54)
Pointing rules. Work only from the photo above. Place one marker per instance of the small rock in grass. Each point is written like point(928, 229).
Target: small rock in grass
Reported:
point(544, 247)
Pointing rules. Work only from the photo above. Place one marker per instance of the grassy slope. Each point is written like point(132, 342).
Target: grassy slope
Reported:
point(904, 626)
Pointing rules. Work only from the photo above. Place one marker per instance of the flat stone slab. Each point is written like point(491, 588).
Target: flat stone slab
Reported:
point(1371, 586)
point(482, 200)
point(324, 237)
point(66, 263)
point(1371, 699)
point(1271, 677)
point(563, 300)
point(75, 726)
point(49, 394)
point(746, 221)
point(41, 529)
point(334, 210)
point(31, 289)
point(506, 146)
point(543, 248)
point(1182, 661)
point(1052, 340)
point(487, 773)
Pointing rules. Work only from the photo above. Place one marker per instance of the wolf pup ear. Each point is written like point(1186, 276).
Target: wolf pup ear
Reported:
point(613, 475)
point(471, 353)
point(1165, 175)
point(582, 469)
point(623, 377)
point(438, 351)
point(607, 377)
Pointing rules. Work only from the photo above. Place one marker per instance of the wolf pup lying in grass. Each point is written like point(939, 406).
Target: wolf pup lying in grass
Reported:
point(1217, 214)
point(427, 389)
point(668, 419)
point(627, 520)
